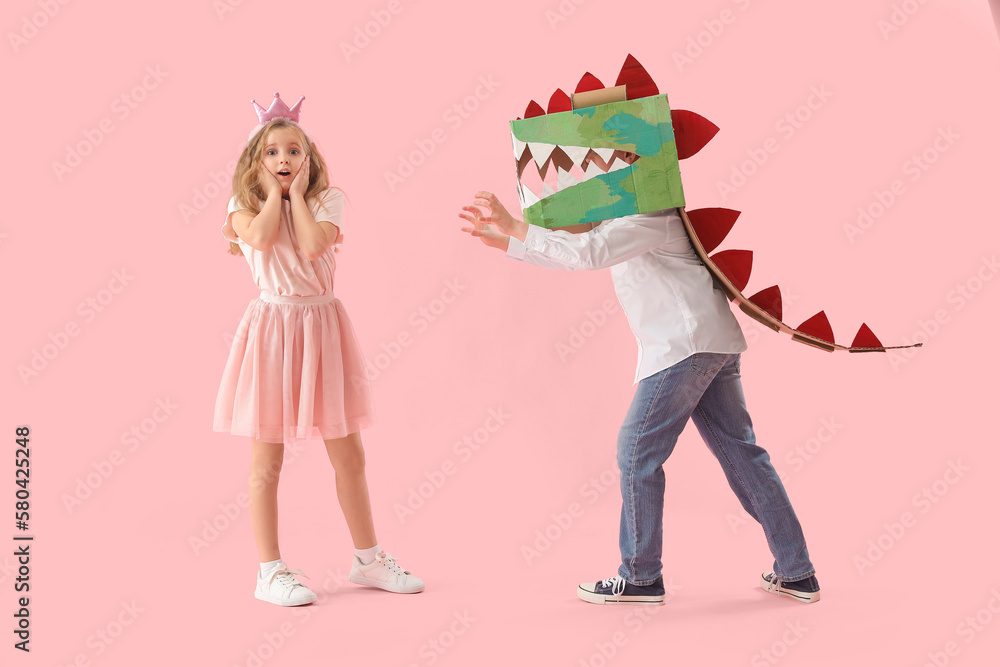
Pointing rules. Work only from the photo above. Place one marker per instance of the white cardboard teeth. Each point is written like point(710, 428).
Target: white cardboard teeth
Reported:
point(564, 179)
point(605, 153)
point(541, 152)
point(576, 153)
point(592, 169)
point(518, 147)
point(527, 197)
point(617, 164)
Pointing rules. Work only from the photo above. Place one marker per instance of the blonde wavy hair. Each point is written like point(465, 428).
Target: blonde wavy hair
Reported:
point(246, 179)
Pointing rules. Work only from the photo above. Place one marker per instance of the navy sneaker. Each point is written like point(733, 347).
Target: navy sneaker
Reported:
point(805, 590)
point(615, 590)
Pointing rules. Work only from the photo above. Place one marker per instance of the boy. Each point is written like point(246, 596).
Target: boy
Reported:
point(689, 362)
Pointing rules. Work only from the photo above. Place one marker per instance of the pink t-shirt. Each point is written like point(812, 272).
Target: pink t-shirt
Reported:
point(282, 269)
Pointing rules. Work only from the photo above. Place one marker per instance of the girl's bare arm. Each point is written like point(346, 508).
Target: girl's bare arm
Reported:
point(259, 231)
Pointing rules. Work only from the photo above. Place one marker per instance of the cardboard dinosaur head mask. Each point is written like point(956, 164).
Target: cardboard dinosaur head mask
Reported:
point(602, 153)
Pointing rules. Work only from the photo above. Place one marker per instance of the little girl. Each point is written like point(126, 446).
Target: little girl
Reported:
point(295, 369)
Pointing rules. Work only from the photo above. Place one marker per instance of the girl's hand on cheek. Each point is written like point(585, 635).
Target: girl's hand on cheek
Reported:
point(268, 182)
point(301, 181)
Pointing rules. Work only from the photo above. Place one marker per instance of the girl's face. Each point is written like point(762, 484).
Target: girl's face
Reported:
point(284, 155)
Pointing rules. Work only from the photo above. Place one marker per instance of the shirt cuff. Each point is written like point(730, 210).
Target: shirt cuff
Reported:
point(515, 249)
point(534, 239)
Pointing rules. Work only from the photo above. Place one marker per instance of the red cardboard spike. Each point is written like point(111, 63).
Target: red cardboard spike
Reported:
point(735, 265)
point(636, 80)
point(865, 338)
point(588, 82)
point(534, 109)
point(711, 225)
point(691, 132)
point(818, 326)
point(769, 300)
point(559, 101)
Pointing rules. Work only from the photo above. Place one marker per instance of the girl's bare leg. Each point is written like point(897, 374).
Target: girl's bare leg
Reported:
point(265, 467)
point(348, 459)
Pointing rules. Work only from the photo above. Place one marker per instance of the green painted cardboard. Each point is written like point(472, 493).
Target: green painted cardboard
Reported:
point(651, 183)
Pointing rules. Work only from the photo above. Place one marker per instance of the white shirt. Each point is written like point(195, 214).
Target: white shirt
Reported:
point(672, 304)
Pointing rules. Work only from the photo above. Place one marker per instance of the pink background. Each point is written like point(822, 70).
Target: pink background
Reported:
point(881, 428)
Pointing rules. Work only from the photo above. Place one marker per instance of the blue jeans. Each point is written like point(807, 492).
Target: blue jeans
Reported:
point(707, 388)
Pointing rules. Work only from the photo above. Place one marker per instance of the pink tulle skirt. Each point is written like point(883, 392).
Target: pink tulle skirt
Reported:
point(295, 372)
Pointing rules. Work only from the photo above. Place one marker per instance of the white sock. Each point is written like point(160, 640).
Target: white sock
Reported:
point(265, 568)
point(367, 555)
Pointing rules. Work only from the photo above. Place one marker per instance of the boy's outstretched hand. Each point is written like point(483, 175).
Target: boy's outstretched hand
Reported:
point(483, 225)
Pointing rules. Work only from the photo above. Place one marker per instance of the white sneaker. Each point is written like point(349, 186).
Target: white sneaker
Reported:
point(281, 588)
point(384, 573)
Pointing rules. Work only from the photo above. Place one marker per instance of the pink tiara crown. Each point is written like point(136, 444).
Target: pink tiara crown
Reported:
point(278, 109)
